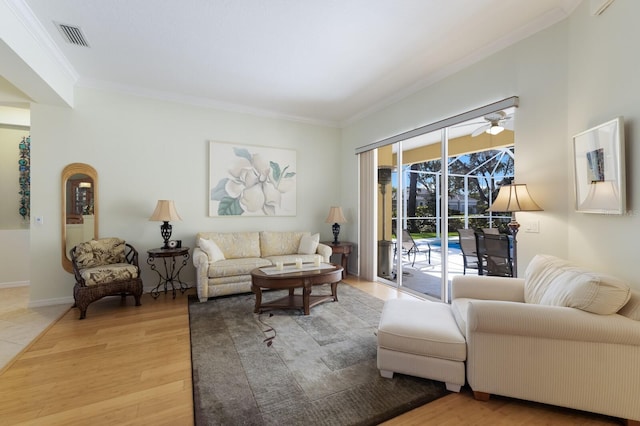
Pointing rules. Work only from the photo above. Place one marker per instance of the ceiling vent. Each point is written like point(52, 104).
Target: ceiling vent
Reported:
point(72, 34)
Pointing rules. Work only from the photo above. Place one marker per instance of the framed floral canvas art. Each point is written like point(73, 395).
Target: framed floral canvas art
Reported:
point(247, 180)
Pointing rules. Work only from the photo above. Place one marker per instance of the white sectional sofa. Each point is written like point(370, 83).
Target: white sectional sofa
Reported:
point(224, 260)
point(562, 335)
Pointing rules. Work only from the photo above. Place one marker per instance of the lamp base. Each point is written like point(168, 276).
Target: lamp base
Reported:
point(165, 231)
point(336, 231)
point(513, 227)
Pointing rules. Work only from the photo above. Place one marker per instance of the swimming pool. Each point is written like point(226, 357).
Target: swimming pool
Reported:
point(453, 244)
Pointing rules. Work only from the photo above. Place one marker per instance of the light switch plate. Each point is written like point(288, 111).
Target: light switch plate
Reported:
point(533, 227)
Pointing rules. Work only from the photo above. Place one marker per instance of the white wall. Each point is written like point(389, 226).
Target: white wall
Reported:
point(14, 230)
point(10, 178)
point(14, 252)
point(534, 70)
point(145, 150)
point(603, 84)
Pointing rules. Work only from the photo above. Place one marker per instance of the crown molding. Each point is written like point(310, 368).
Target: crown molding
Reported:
point(199, 101)
point(28, 19)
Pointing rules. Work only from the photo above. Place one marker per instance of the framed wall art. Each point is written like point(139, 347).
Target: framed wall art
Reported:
point(247, 180)
point(600, 168)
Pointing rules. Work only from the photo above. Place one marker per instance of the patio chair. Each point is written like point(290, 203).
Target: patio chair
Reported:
point(492, 231)
point(468, 245)
point(497, 251)
point(410, 247)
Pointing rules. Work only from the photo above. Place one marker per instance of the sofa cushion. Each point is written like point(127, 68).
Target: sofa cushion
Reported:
point(553, 281)
point(104, 251)
point(211, 248)
point(232, 267)
point(421, 327)
point(309, 244)
point(109, 273)
point(280, 243)
point(459, 309)
point(632, 308)
point(234, 245)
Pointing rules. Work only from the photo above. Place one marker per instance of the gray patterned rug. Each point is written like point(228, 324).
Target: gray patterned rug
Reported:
point(318, 369)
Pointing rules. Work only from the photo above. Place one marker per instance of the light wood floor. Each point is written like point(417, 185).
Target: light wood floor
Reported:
point(127, 365)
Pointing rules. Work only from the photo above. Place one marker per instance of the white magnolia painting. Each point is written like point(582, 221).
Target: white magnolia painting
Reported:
point(246, 180)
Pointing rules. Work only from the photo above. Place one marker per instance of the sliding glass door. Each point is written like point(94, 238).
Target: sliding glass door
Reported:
point(431, 182)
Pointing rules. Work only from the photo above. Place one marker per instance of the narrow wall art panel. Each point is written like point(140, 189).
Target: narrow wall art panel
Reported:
point(248, 180)
point(599, 159)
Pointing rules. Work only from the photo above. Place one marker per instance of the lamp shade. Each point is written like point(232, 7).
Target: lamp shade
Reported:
point(336, 216)
point(165, 211)
point(514, 198)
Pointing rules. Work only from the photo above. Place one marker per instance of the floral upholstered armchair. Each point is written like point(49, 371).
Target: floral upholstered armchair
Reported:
point(105, 267)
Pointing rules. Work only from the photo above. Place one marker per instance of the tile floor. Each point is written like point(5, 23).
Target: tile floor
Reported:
point(19, 325)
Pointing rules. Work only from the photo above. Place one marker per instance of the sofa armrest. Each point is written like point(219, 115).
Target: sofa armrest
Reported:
point(201, 262)
point(549, 322)
point(325, 251)
point(199, 257)
point(488, 288)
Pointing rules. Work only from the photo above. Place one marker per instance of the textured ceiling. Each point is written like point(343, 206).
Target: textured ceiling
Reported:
point(324, 61)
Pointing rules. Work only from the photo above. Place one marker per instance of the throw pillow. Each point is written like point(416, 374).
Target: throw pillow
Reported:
point(632, 308)
point(553, 281)
point(309, 244)
point(212, 250)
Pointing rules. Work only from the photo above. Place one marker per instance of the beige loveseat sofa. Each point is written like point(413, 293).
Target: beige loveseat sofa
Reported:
point(224, 260)
point(563, 335)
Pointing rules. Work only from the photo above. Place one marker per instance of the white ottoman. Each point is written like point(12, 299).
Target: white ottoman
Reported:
point(422, 339)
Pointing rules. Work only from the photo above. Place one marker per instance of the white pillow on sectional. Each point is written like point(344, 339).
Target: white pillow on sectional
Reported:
point(212, 250)
point(309, 244)
point(632, 308)
point(540, 274)
point(553, 281)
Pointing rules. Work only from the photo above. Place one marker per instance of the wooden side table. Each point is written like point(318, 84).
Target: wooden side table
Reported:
point(171, 273)
point(344, 248)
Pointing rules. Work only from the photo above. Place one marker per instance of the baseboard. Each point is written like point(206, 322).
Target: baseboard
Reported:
point(48, 302)
point(15, 284)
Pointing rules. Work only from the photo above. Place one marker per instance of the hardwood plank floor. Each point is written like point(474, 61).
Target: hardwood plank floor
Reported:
point(127, 365)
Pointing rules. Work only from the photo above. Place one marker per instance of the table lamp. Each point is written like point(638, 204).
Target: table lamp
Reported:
point(165, 211)
point(514, 198)
point(336, 217)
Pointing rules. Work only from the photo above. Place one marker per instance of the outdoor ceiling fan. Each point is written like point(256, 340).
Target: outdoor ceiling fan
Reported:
point(494, 123)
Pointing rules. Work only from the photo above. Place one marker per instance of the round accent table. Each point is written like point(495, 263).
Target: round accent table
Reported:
point(171, 267)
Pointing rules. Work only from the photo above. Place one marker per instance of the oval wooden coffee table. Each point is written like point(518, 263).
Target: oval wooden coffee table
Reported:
point(290, 279)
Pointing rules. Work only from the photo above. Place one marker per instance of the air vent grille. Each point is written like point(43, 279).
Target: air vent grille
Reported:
point(72, 35)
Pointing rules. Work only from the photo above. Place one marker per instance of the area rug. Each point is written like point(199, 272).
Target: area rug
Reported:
point(285, 368)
